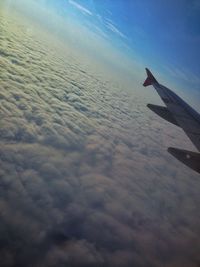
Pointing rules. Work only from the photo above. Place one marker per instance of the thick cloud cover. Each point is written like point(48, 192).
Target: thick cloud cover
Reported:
point(85, 179)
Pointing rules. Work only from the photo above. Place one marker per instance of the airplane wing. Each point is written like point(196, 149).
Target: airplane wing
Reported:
point(181, 114)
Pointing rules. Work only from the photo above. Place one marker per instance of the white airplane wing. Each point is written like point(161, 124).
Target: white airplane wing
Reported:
point(181, 114)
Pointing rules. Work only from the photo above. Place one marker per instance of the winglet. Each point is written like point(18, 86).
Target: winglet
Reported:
point(150, 78)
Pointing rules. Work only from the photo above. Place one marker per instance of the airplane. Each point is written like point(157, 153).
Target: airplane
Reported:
point(179, 113)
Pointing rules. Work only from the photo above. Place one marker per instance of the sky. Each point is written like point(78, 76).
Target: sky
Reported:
point(165, 36)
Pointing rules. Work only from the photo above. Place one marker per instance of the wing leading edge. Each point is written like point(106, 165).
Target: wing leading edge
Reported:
point(181, 114)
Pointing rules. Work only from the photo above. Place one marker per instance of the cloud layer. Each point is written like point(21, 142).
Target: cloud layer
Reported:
point(85, 176)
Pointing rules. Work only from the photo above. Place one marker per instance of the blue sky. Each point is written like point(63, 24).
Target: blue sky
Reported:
point(163, 34)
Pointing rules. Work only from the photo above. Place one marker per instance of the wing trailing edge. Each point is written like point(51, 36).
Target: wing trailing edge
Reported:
point(189, 158)
point(163, 112)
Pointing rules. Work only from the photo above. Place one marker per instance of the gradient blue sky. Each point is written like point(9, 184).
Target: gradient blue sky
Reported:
point(163, 34)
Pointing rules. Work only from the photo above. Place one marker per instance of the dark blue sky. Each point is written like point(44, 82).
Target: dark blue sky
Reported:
point(164, 35)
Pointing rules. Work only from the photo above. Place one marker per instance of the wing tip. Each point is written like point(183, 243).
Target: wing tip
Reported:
point(150, 78)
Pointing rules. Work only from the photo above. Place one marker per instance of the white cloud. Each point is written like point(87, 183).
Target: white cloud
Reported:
point(100, 32)
point(114, 29)
point(81, 8)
